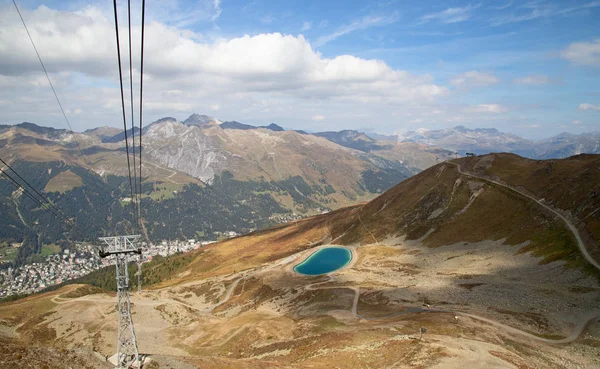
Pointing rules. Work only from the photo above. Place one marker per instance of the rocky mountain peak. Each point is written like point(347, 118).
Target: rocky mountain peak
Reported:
point(275, 127)
point(46, 131)
point(200, 120)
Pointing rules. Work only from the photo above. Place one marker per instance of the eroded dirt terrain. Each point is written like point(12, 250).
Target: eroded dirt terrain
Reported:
point(483, 305)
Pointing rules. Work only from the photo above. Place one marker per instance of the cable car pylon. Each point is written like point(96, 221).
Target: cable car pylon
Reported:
point(122, 247)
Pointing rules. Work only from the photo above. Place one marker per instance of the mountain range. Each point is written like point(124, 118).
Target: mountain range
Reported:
point(201, 178)
point(241, 177)
point(486, 140)
point(487, 261)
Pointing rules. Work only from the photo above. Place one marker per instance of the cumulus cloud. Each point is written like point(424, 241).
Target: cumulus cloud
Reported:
point(451, 15)
point(77, 42)
point(474, 79)
point(272, 62)
point(532, 80)
point(589, 107)
point(186, 72)
point(583, 53)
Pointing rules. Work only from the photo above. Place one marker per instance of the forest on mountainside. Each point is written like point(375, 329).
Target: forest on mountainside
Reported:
point(99, 207)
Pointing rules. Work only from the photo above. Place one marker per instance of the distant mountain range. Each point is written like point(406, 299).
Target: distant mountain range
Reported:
point(486, 140)
point(567, 144)
point(463, 261)
point(201, 178)
point(458, 139)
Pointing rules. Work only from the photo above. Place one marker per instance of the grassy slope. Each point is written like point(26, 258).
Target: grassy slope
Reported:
point(567, 184)
point(412, 154)
point(496, 213)
point(407, 209)
point(63, 182)
point(279, 155)
point(258, 153)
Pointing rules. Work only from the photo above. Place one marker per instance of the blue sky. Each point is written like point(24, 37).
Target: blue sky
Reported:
point(530, 68)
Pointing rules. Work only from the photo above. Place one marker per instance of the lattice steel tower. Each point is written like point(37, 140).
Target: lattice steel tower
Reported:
point(139, 274)
point(121, 247)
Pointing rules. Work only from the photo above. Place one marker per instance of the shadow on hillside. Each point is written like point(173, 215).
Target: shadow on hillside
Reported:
point(520, 292)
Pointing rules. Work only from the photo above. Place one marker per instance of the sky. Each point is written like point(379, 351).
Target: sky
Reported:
point(528, 68)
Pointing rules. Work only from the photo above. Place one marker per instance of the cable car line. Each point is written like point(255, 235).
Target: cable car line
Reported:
point(135, 194)
point(140, 115)
point(56, 96)
point(131, 104)
point(123, 108)
point(36, 191)
point(48, 77)
point(46, 206)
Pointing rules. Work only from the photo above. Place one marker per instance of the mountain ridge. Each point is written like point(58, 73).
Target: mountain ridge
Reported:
point(487, 140)
point(458, 139)
point(250, 179)
point(433, 258)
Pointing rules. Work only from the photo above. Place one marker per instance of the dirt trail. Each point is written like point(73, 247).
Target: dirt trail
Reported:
point(577, 330)
point(62, 300)
point(227, 295)
point(586, 319)
point(574, 230)
point(165, 168)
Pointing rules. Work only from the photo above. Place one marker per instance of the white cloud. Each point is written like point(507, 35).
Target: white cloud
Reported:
point(318, 118)
point(267, 19)
point(217, 6)
point(74, 112)
point(215, 107)
point(83, 43)
point(487, 108)
point(474, 79)
point(583, 53)
point(537, 9)
point(450, 15)
point(532, 80)
point(502, 7)
point(589, 107)
point(576, 122)
point(174, 13)
point(77, 42)
point(306, 26)
point(363, 23)
point(173, 93)
point(184, 72)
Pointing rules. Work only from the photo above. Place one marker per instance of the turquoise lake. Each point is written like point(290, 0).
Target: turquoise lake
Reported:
point(324, 261)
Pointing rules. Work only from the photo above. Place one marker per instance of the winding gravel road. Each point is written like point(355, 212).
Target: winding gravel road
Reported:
point(574, 230)
point(577, 330)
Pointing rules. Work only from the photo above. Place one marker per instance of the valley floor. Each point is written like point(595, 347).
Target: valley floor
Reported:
point(482, 305)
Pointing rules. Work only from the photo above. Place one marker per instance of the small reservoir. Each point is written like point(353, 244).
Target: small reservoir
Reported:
point(325, 260)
